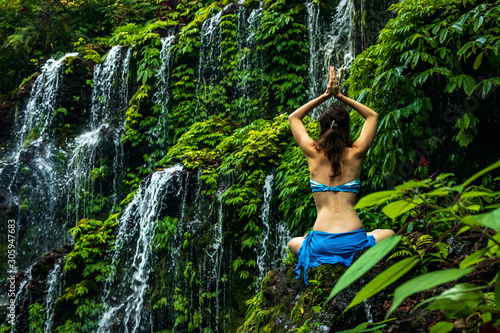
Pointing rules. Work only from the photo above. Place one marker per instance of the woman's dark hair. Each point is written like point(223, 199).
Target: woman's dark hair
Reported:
point(333, 139)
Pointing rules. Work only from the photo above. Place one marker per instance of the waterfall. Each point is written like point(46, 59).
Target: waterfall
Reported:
point(43, 100)
point(262, 256)
point(339, 48)
point(36, 117)
point(110, 84)
point(249, 67)
point(209, 63)
point(331, 43)
point(211, 265)
point(133, 250)
point(105, 90)
point(32, 161)
point(281, 238)
point(274, 235)
point(53, 292)
point(23, 293)
point(316, 71)
point(162, 96)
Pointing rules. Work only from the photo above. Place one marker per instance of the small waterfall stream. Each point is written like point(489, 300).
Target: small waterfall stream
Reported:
point(330, 44)
point(263, 264)
point(33, 159)
point(54, 290)
point(109, 98)
point(209, 64)
point(42, 103)
point(126, 300)
point(162, 96)
point(249, 66)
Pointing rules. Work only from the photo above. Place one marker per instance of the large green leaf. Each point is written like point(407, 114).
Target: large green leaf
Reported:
point(412, 184)
point(442, 327)
point(458, 302)
point(424, 282)
point(396, 208)
point(384, 279)
point(453, 293)
point(490, 219)
point(364, 263)
point(473, 258)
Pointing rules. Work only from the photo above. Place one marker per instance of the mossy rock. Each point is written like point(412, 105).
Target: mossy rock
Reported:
point(285, 302)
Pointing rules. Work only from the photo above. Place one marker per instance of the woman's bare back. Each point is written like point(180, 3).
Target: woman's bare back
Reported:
point(335, 209)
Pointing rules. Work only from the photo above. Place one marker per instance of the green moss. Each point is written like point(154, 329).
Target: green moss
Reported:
point(34, 134)
point(28, 79)
point(71, 61)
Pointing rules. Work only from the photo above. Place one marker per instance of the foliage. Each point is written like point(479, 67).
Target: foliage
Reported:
point(86, 319)
point(165, 229)
point(37, 318)
point(281, 37)
point(458, 205)
point(33, 29)
point(409, 247)
point(292, 182)
point(92, 239)
point(428, 46)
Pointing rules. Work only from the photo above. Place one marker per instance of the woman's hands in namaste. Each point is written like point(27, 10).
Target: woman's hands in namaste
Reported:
point(333, 85)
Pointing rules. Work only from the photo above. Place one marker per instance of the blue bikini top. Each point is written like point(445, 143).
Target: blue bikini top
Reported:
point(347, 187)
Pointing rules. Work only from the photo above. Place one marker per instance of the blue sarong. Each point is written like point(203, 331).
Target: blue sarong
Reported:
point(321, 247)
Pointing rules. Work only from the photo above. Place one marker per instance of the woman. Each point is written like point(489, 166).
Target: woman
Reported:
point(335, 165)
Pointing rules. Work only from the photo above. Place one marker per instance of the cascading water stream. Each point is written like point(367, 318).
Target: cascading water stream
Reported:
point(330, 44)
point(162, 96)
point(263, 264)
point(37, 115)
point(23, 292)
point(43, 100)
point(110, 84)
point(32, 160)
point(209, 63)
point(104, 86)
point(339, 48)
point(249, 66)
point(53, 292)
point(129, 295)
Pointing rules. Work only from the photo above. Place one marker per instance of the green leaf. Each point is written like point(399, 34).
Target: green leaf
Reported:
point(384, 279)
point(364, 263)
point(478, 23)
point(412, 184)
point(460, 300)
point(473, 258)
point(469, 84)
point(394, 209)
point(490, 219)
point(487, 85)
point(442, 327)
point(478, 61)
point(424, 282)
point(356, 329)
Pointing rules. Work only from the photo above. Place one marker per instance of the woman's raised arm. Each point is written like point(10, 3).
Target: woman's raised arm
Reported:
point(305, 142)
